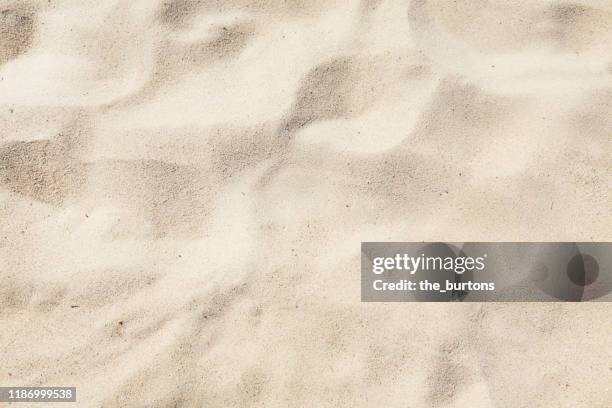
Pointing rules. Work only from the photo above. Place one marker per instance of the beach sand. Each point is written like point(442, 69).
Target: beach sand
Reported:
point(184, 186)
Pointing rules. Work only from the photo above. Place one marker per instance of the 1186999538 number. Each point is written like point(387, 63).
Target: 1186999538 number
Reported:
point(37, 394)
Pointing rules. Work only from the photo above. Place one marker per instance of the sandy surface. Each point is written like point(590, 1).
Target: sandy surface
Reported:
point(184, 186)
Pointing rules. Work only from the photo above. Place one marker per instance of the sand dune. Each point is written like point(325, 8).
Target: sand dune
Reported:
point(184, 186)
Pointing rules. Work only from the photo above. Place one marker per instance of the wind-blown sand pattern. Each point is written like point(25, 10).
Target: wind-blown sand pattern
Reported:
point(184, 186)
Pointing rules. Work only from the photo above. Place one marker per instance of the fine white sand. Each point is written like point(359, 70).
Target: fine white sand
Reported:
point(184, 186)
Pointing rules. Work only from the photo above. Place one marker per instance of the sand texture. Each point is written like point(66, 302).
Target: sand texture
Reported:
point(184, 186)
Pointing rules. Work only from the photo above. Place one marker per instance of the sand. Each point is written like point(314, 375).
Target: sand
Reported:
point(184, 186)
